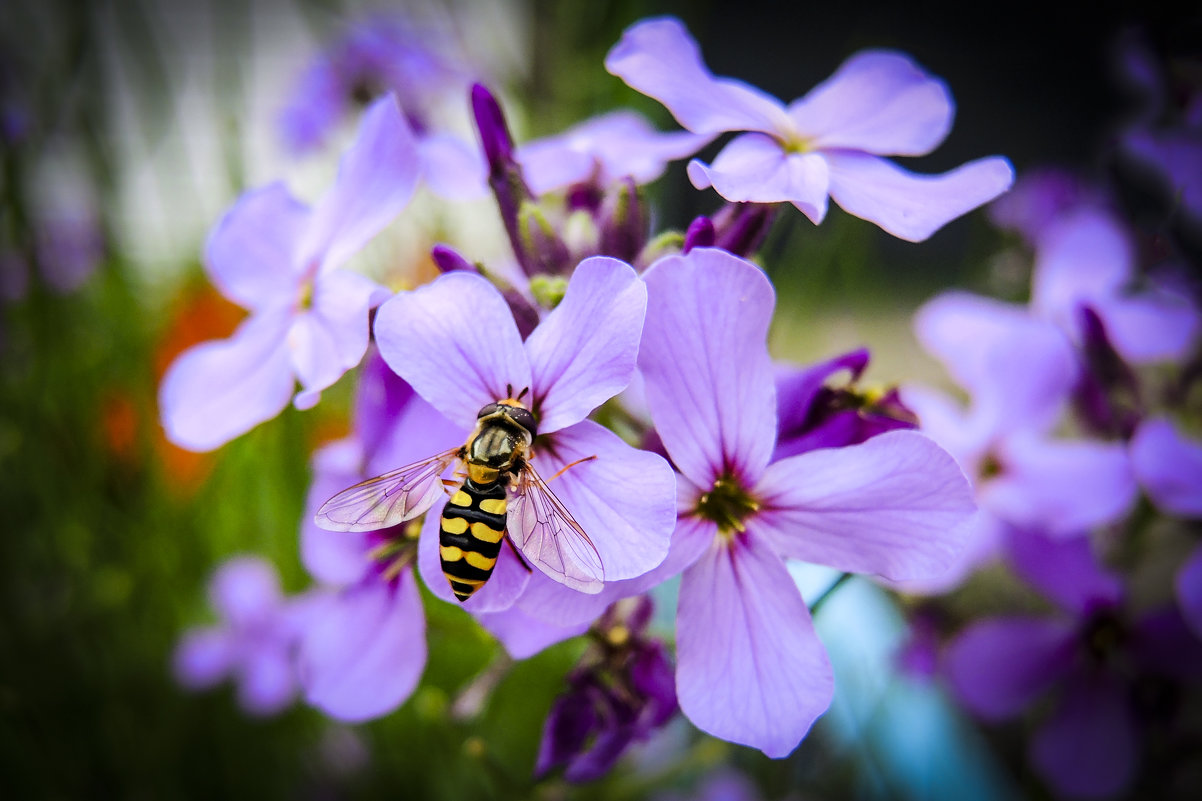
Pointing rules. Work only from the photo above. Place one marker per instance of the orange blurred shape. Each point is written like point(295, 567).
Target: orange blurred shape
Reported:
point(199, 314)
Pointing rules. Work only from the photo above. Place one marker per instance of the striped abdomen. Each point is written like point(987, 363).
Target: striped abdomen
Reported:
point(473, 525)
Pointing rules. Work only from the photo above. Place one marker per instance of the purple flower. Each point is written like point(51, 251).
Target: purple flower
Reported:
point(254, 644)
point(622, 693)
point(827, 143)
point(1086, 260)
point(811, 415)
point(456, 343)
point(604, 150)
point(374, 56)
point(1018, 371)
point(750, 667)
point(280, 259)
point(1090, 657)
point(364, 648)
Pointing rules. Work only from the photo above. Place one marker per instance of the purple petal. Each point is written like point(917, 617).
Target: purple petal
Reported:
point(551, 602)
point(704, 360)
point(218, 390)
point(1088, 747)
point(583, 353)
point(1064, 488)
point(894, 505)
point(750, 668)
point(965, 437)
point(659, 58)
point(376, 178)
point(879, 102)
point(334, 557)
point(267, 682)
point(245, 591)
point(365, 649)
point(983, 536)
point(1085, 256)
point(508, 580)
point(604, 149)
point(203, 658)
point(1066, 572)
point(755, 168)
point(625, 499)
point(999, 666)
point(452, 168)
point(908, 205)
point(1157, 325)
point(1019, 369)
point(332, 337)
point(250, 254)
point(455, 342)
point(524, 635)
point(1189, 590)
point(1168, 466)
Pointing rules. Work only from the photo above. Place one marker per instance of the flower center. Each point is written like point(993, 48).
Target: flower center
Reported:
point(1103, 635)
point(396, 549)
point(728, 504)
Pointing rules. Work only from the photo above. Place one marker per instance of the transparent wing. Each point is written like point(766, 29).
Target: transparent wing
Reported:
point(386, 500)
point(547, 534)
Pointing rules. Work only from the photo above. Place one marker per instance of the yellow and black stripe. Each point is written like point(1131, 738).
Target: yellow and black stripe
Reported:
point(473, 525)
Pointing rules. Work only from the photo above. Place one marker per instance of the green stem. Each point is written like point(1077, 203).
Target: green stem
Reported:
point(839, 582)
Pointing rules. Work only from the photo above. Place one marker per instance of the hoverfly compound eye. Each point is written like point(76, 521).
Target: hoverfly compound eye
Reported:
point(525, 418)
point(487, 410)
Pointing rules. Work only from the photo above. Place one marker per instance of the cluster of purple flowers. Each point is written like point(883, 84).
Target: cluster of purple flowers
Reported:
point(743, 463)
point(1088, 473)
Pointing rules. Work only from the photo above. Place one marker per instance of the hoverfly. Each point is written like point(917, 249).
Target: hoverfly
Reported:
point(498, 486)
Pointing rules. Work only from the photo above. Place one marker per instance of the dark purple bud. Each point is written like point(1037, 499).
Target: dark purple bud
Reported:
point(1108, 396)
point(585, 196)
point(654, 681)
point(504, 173)
point(701, 234)
point(740, 228)
point(624, 222)
point(545, 252)
point(448, 260)
point(494, 133)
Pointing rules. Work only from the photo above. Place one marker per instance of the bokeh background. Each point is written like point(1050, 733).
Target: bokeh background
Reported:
point(134, 124)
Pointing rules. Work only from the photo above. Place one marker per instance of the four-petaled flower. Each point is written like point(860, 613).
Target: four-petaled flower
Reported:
point(828, 143)
point(309, 319)
point(750, 667)
point(455, 342)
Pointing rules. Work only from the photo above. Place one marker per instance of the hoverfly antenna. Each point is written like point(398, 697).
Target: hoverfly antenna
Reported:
point(521, 394)
point(509, 390)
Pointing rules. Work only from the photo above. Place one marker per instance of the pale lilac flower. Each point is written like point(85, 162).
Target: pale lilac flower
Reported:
point(255, 642)
point(1019, 371)
point(603, 150)
point(364, 647)
point(1090, 656)
point(1085, 259)
point(377, 55)
point(309, 319)
point(456, 343)
point(750, 667)
point(828, 143)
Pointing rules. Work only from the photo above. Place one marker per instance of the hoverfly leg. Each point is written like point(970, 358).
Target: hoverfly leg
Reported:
point(569, 466)
point(518, 554)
